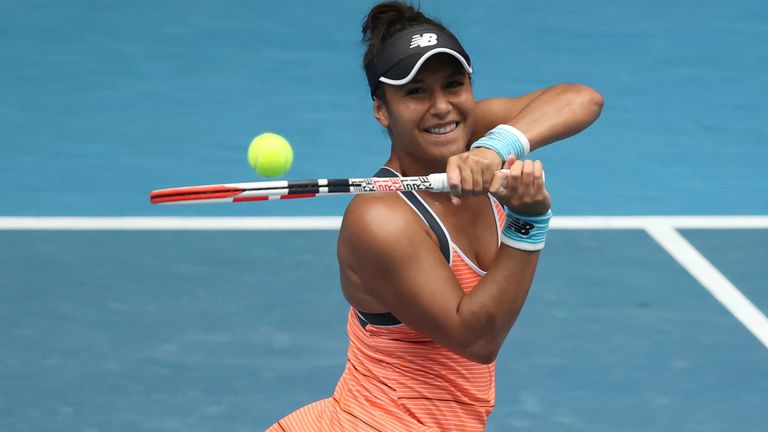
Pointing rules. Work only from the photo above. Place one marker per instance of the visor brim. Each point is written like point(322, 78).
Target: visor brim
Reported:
point(412, 70)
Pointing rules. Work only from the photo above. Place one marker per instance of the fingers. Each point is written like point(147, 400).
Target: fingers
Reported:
point(470, 174)
point(538, 176)
point(506, 181)
point(471, 179)
point(520, 186)
point(527, 176)
point(498, 186)
point(454, 180)
point(508, 163)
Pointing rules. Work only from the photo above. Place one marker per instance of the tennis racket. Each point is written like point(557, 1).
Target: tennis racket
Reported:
point(288, 189)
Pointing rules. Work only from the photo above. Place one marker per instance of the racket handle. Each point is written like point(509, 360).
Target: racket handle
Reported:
point(439, 182)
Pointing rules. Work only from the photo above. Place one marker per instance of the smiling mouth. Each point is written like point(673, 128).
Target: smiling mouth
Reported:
point(443, 130)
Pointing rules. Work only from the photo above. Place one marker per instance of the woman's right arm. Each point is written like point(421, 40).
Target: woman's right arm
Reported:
point(388, 250)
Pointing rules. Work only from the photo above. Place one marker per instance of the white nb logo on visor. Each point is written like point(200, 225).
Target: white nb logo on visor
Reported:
point(424, 40)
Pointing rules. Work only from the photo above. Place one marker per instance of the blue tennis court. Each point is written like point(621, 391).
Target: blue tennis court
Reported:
point(207, 330)
point(648, 308)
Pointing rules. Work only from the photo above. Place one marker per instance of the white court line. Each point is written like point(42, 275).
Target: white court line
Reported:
point(709, 277)
point(640, 222)
point(312, 223)
point(661, 228)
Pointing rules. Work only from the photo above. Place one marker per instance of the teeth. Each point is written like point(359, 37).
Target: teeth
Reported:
point(443, 130)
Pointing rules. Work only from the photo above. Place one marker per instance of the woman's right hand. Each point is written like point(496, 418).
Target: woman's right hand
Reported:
point(519, 186)
point(470, 173)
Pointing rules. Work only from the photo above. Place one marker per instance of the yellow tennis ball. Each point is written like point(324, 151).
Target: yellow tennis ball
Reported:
point(270, 155)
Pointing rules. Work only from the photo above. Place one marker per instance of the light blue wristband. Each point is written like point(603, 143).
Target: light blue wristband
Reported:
point(528, 233)
point(506, 141)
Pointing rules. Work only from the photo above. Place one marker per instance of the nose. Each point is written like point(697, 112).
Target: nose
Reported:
point(441, 104)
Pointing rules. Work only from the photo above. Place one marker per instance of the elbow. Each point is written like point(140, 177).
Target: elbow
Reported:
point(483, 350)
point(484, 343)
point(482, 332)
point(483, 356)
point(588, 100)
point(593, 100)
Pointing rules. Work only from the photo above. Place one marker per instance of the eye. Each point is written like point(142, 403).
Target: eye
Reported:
point(414, 90)
point(454, 83)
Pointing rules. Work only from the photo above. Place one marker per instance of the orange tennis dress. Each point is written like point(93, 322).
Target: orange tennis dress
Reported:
point(397, 380)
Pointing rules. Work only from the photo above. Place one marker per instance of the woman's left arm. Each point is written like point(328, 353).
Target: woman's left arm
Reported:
point(544, 116)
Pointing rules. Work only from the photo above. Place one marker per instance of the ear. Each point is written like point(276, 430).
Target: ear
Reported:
point(380, 112)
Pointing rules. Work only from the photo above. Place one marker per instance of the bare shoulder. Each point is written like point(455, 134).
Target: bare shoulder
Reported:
point(380, 236)
point(378, 221)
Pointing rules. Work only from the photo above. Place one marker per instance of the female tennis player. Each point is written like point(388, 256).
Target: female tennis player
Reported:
point(436, 280)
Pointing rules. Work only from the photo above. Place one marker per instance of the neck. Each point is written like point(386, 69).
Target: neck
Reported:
point(409, 166)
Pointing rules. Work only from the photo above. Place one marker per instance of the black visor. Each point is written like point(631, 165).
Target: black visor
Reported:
point(400, 58)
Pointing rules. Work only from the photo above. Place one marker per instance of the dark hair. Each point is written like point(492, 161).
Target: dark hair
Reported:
point(387, 19)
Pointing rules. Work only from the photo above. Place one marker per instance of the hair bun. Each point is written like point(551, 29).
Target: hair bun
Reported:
point(388, 18)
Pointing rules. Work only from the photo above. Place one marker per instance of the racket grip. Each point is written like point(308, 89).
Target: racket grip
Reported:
point(439, 182)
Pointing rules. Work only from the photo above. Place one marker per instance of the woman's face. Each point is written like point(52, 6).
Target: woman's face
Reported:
point(429, 119)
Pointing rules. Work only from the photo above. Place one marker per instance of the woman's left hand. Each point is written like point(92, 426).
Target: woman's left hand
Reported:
point(520, 187)
point(470, 173)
